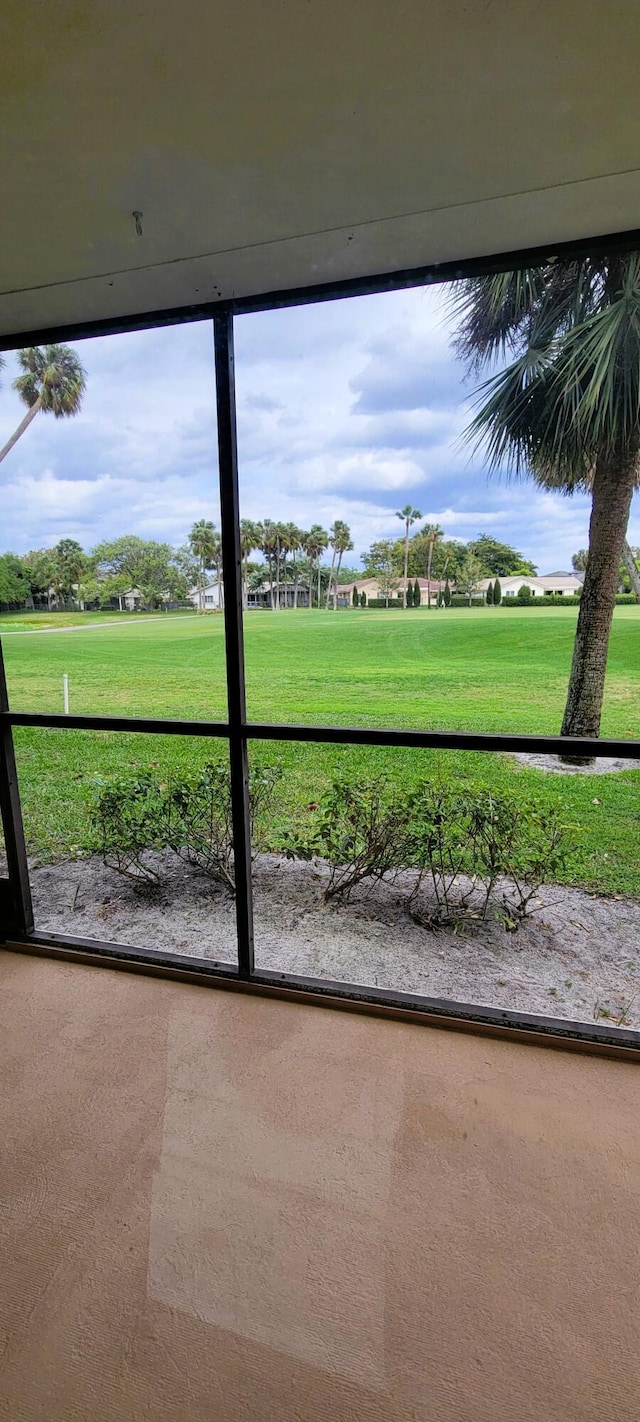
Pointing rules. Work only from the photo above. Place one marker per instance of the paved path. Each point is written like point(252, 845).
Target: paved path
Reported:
point(88, 626)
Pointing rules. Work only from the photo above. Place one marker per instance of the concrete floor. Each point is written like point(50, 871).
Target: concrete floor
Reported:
point(216, 1208)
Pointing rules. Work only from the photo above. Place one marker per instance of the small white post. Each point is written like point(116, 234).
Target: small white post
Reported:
point(65, 694)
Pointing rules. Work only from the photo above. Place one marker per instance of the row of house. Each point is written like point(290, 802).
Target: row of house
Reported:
point(545, 585)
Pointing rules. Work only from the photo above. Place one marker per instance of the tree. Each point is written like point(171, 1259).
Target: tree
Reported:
point(363, 598)
point(497, 593)
point(579, 560)
point(52, 380)
point(629, 558)
point(408, 516)
point(524, 594)
point(316, 541)
point(490, 595)
point(270, 547)
point(132, 562)
point(340, 540)
point(500, 559)
point(355, 598)
point(69, 563)
point(14, 581)
point(417, 596)
point(470, 576)
point(202, 544)
point(447, 594)
point(250, 538)
point(566, 410)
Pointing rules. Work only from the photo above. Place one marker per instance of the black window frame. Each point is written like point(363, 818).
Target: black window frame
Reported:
point(17, 930)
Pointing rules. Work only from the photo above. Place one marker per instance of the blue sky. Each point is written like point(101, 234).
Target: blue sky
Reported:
point(345, 410)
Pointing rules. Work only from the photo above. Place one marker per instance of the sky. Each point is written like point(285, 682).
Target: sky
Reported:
point(348, 410)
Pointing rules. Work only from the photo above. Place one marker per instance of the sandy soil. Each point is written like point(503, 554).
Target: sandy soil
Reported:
point(578, 956)
point(555, 766)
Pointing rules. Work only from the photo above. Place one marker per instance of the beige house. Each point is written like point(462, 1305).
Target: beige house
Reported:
point(371, 587)
point(544, 585)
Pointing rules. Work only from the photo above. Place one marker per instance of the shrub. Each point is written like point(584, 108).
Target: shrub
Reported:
point(497, 593)
point(363, 598)
point(128, 819)
point(480, 853)
point(447, 594)
point(355, 597)
point(189, 814)
point(490, 595)
point(417, 600)
point(360, 829)
point(524, 594)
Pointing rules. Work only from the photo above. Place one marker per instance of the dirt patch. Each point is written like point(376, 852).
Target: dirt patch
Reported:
point(578, 956)
point(555, 766)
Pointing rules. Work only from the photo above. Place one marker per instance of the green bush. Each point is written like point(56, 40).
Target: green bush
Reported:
point(479, 854)
point(497, 593)
point(525, 595)
point(490, 595)
point(363, 598)
point(137, 815)
point(355, 598)
point(417, 601)
point(447, 594)
point(359, 829)
point(475, 852)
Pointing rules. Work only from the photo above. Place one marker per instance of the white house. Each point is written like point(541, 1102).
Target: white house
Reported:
point(543, 585)
point(210, 597)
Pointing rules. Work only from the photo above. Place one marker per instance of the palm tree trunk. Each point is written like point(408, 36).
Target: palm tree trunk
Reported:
point(201, 582)
point(613, 487)
point(278, 578)
point(406, 563)
point(24, 425)
point(333, 561)
point(630, 565)
point(335, 585)
point(319, 580)
point(296, 577)
point(429, 572)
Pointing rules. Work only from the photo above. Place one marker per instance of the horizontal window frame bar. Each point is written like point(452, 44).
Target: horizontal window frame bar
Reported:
point(431, 274)
point(534, 1028)
point(473, 741)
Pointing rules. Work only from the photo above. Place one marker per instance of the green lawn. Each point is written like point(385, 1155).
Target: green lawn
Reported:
point(487, 669)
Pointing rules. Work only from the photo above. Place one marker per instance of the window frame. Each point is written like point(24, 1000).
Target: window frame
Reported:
point(17, 930)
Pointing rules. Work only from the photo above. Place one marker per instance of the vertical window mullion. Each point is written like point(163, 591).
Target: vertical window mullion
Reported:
point(19, 916)
point(234, 640)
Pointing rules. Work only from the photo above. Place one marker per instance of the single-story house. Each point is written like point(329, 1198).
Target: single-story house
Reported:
point(371, 587)
point(261, 596)
point(210, 597)
point(542, 585)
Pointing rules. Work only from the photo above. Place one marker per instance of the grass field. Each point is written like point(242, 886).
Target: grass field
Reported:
point(486, 669)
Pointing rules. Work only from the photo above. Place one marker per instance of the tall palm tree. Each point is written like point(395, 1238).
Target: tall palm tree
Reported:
point(408, 515)
point(340, 541)
point(52, 380)
point(433, 532)
point(317, 540)
point(269, 545)
point(250, 538)
point(565, 409)
point(202, 545)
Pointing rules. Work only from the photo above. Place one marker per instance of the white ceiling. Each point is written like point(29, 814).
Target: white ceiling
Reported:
point(272, 143)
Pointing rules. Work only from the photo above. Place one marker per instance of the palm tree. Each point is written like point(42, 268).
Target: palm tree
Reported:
point(566, 410)
point(250, 538)
point(202, 544)
point(340, 541)
point(52, 380)
point(408, 515)
point(270, 547)
point(317, 540)
point(433, 532)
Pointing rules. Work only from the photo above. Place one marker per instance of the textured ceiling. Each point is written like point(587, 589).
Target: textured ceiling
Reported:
point(268, 145)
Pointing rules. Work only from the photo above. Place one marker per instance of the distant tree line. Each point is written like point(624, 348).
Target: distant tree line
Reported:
point(291, 561)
